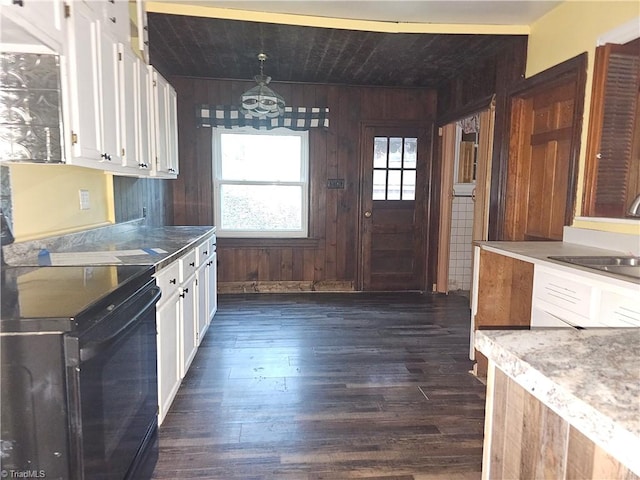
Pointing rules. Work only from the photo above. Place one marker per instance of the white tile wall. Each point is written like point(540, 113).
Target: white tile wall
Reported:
point(460, 247)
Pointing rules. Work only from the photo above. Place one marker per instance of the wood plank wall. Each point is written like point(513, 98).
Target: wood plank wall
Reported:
point(526, 439)
point(131, 195)
point(328, 260)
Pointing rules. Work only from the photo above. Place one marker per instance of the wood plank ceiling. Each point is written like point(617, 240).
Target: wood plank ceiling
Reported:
point(227, 49)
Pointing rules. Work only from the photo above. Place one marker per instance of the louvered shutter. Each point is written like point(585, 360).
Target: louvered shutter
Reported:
point(618, 103)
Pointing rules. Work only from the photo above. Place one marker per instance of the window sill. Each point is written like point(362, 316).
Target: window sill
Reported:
point(267, 242)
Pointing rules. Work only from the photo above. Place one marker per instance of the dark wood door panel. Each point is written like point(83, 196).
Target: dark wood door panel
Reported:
point(543, 148)
point(384, 282)
point(393, 231)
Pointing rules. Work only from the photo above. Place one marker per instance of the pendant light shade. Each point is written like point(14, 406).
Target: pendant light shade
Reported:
point(261, 101)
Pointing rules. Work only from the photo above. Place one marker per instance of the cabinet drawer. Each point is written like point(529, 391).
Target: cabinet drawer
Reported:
point(563, 291)
point(188, 265)
point(541, 318)
point(203, 251)
point(167, 279)
point(619, 309)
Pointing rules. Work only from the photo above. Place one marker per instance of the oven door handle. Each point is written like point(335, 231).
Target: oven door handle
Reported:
point(94, 348)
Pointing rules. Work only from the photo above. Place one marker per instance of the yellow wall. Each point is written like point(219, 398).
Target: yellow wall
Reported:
point(569, 30)
point(46, 200)
point(202, 9)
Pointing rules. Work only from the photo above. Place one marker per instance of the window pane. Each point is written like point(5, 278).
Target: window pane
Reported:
point(393, 191)
point(260, 157)
point(379, 184)
point(410, 152)
point(409, 185)
point(261, 207)
point(380, 152)
point(395, 152)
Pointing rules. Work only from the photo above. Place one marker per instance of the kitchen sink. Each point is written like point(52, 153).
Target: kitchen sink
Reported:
point(621, 265)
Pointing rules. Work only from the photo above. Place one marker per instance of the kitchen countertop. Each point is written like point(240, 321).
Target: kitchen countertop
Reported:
point(590, 378)
point(174, 240)
point(538, 253)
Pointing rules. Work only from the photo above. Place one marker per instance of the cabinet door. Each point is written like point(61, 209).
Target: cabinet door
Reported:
point(166, 132)
point(140, 32)
point(129, 106)
point(42, 18)
point(201, 310)
point(188, 324)
point(169, 372)
point(212, 286)
point(172, 131)
point(145, 115)
point(84, 91)
point(109, 99)
point(160, 87)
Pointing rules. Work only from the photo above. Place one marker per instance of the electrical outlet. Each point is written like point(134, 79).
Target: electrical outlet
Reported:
point(85, 203)
point(335, 183)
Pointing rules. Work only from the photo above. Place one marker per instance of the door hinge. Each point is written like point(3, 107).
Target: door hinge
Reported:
point(439, 131)
point(122, 153)
point(74, 138)
point(119, 56)
point(67, 10)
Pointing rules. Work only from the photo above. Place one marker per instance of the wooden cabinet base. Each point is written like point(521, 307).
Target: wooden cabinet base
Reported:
point(504, 291)
point(526, 439)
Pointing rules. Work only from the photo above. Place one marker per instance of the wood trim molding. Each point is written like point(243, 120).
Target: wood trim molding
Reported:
point(223, 242)
point(476, 106)
point(446, 198)
point(284, 287)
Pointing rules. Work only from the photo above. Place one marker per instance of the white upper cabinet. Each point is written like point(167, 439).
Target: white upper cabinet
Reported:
point(93, 95)
point(139, 30)
point(146, 124)
point(166, 127)
point(119, 114)
point(129, 108)
point(40, 21)
point(82, 97)
point(109, 97)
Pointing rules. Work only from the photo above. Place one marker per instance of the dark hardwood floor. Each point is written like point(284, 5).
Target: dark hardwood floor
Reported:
point(329, 386)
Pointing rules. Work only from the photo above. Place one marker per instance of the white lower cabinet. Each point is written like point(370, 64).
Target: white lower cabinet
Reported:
point(201, 323)
point(207, 285)
point(168, 333)
point(182, 316)
point(212, 286)
point(188, 316)
point(565, 299)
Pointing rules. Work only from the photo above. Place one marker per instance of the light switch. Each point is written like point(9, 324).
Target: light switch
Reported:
point(85, 204)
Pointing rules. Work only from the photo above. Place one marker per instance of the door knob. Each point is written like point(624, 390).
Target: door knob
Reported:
point(367, 214)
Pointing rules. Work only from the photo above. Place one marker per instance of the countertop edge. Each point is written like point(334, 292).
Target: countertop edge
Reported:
point(619, 442)
point(180, 252)
point(511, 249)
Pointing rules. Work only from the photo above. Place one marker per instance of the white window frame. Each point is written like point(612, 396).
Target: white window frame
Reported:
point(304, 183)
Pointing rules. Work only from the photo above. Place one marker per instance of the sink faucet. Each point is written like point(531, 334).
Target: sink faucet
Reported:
point(634, 209)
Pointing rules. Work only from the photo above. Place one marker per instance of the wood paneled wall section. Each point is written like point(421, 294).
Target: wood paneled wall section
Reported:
point(495, 76)
point(526, 439)
point(131, 195)
point(328, 260)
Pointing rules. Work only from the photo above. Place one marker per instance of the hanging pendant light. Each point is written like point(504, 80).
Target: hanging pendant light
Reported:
point(261, 101)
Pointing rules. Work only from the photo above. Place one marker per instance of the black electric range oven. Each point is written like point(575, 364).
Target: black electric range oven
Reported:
point(78, 372)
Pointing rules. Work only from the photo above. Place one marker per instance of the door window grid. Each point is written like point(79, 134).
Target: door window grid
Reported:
point(394, 168)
